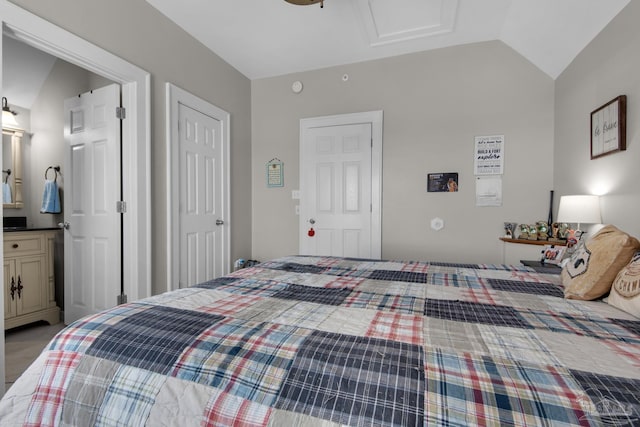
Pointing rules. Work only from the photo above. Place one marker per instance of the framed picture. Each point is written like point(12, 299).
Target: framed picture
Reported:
point(609, 128)
point(553, 254)
point(275, 173)
point(442, 182)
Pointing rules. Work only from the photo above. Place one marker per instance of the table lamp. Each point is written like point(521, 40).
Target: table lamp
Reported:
point(579, 210)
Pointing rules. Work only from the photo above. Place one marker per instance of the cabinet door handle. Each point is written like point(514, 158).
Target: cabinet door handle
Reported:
point(13, 288)
point(15, 246)
point(20, 287)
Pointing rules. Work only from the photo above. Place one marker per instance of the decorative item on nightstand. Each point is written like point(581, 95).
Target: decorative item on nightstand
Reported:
point(579, 209)
point(510, 230)
point(553, 254)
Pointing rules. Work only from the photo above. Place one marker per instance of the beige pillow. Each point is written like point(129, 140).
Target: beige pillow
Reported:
point(625, 292)
point(593, 266)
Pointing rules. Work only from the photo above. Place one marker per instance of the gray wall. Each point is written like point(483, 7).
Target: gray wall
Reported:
point(46, 146)
point(434, 104)
point(609, 66)
point(138, 33)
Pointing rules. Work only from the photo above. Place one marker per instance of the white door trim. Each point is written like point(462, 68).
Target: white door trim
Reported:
point(176, 96)
point(41, 34)
point(375, 118)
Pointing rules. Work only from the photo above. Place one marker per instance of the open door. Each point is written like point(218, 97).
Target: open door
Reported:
point(92, 248)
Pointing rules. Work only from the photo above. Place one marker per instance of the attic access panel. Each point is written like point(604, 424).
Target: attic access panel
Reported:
point(391, 21)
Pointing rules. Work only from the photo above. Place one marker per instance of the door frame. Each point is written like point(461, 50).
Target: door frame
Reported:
point(176, 96)
point(43, 35)
point(375, 118)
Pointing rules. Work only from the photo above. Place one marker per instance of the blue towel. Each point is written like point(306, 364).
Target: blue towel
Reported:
point(50, 198)
point(6, 193)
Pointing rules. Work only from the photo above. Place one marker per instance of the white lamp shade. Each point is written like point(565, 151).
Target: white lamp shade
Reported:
point(579, 209)
point(8, 121)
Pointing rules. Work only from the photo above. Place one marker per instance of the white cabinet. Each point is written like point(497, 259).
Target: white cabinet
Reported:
point(29, 284)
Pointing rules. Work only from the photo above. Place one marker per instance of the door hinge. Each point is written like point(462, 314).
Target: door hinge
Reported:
point(121, 206)
point(122, 299)
point(121, 113)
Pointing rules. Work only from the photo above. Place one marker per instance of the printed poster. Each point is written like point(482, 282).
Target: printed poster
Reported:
point(489, 155)
point(442, 182)
point(489, 190)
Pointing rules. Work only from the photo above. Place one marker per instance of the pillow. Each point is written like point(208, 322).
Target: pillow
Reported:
point(593, 266)
point(625, 292)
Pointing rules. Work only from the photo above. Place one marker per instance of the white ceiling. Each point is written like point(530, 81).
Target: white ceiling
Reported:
point(264, 38)
point(24, 71)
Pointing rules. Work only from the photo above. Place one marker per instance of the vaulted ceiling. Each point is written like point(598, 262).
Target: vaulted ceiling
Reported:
point(264, 38)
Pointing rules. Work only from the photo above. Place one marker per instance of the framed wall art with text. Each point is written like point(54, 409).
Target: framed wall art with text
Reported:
point(609, 128)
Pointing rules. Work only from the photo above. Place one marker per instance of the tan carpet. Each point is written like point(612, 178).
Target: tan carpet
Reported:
point(22, 347)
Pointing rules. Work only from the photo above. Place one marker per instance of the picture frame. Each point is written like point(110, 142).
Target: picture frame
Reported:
point(444, 182)
point(275, 173)
point(553, 254)
point(609, 128)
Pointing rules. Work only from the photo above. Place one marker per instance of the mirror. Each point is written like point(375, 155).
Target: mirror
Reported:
point(12, 161)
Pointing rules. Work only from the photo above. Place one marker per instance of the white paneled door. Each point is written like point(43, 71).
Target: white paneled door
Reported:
point(92, 252)
point(201, 197)
point(336, 191)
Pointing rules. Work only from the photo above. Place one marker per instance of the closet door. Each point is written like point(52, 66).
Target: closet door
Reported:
point(201, 197)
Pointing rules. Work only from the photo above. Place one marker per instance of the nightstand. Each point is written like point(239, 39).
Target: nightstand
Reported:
point(542, 267)
point(513, 250)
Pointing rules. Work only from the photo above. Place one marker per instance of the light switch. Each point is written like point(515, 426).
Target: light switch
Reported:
point(295, 194)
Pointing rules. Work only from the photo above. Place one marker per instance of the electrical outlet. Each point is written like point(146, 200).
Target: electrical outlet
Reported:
point(295, 194)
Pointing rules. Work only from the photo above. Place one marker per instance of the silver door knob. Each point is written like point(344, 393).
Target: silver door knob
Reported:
point(219, 222)
point(312, 221)
point(64, 225)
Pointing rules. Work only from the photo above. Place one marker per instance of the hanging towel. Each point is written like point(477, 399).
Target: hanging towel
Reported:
point(6, 193)
point(50, 197)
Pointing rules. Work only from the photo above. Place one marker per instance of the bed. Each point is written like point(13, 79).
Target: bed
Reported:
point(324, 341)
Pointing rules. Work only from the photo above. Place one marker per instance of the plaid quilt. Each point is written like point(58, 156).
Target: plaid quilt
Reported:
point(321, 341)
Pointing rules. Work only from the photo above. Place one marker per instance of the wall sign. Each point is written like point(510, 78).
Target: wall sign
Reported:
point(275, 173)
point(609, 128)
point(489, 155)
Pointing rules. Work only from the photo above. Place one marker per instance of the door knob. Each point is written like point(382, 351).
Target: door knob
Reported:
point(219, 222)
point(312, 221)
point(64, 225)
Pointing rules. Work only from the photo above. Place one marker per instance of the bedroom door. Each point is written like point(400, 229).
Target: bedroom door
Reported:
point(92, 250)
point(339, 186)
point(201, 197)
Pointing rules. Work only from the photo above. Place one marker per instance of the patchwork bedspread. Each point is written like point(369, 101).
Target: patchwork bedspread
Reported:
point(320, 341)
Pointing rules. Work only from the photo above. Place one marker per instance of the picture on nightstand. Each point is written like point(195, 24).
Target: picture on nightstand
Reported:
point(553, 254)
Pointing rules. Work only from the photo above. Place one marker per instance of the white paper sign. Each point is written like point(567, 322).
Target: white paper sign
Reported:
point(489, 190)
point(489, 155)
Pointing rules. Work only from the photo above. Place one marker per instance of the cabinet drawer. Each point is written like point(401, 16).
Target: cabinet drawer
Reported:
point(23, 245)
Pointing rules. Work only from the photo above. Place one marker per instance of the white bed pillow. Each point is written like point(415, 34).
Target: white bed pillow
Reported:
point(625, 292)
